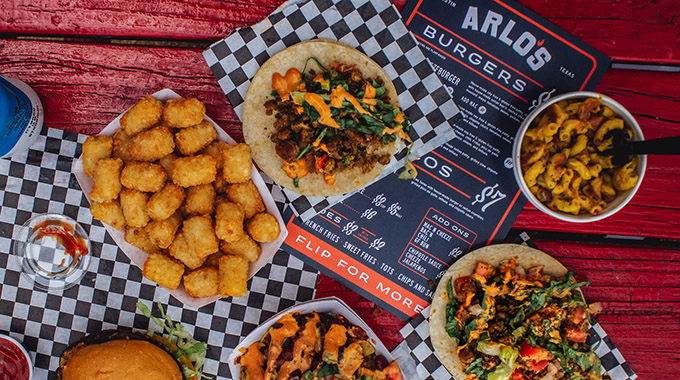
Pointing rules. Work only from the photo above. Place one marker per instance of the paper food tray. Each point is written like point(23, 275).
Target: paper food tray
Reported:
point(139, 257)
point(322, 305)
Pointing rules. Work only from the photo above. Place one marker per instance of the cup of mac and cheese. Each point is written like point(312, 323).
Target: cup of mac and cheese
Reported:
point(558, 158)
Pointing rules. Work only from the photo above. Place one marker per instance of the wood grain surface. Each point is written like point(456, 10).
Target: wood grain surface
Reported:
point(91, 60)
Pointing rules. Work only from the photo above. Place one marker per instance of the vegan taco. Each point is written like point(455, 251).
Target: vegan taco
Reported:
point(512, 312)
point(322, 118)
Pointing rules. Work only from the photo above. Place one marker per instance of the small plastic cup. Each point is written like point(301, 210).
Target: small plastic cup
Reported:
point(14, 350)
point(55, 251)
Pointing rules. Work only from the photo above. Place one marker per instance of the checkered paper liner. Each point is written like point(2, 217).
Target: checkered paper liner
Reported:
point(373, 27)
point(417, 347)
point(39, 181)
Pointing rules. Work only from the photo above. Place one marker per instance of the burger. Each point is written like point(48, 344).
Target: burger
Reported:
point(120, 354)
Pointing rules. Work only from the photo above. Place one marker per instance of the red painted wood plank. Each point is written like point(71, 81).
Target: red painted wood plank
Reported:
point(639, 31)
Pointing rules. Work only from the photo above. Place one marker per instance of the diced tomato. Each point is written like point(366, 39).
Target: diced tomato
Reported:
point(392, 371)
point(517, 374)
point(578, 314)
point(537, 354)
point(575, 334)
point(483, 269)
point(538, 366)
point(319, 163)
point(459, 283)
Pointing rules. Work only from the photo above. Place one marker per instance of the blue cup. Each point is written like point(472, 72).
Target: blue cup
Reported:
point(21, 116)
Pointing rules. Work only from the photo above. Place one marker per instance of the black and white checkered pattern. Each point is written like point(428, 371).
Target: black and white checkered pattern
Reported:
point(374, 27)
point(40, 181)
point(417, 342)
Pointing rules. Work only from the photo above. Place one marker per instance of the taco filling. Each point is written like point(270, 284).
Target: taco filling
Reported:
point(332, 119)
point(512, 323)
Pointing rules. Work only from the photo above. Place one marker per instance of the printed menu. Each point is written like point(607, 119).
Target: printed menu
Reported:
point(393, 240)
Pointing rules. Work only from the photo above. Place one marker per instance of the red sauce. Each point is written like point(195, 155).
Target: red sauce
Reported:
point(64, 233)
point(13, 363)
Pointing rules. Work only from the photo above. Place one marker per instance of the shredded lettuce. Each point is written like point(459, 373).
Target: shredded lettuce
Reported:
point(194, 350)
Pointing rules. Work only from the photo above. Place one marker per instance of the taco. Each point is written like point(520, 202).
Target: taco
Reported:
point(511, 312)
point(322, 118)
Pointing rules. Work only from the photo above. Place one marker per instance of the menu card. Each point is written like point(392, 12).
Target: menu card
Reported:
point(393, 240)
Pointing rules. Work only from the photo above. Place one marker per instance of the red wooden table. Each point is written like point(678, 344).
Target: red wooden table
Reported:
point(88, 60)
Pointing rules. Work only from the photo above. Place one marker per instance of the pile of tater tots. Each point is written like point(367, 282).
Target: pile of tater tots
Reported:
point(180, 195)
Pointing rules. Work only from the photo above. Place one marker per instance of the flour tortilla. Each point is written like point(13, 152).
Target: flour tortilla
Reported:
point(258, 126)
point(445, 346)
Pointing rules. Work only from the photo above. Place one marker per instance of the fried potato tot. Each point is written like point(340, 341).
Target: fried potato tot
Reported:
point(245, 247)
point(202, 282)
point(152, 145)
point(163, 270)
point(107, 184)
point(166, 163)
point(162, 232)
point(139, 238)
point(94, 149)
point(200, 199)
point(215, 151)
point(200, 234)
point(133, 203)
point(263, 227)
point(229, 221)
point(192, 139)
point(121, 140)
point(165, 202)
point(143, 115)
point(143, 176)
point(109, 212)
point(233, 276)
point(237, 162)
point(182, 250)
point(192, 171)
point(183, 112)
point(247, 196)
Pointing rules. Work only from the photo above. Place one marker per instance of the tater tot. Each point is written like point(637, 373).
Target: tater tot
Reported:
point(192, 171)
point(139, 238)
point(237, 163)
point(109, 212)
point(143, 115)
point(229, 221)
point(183, 112)
point(163, 270)
point(143, 176)
point(166, 163)
point(200, 199)
point(107, 182)
point(202, 282)
point(121, 141)
point(192, 139)
point(263, 227)
point(152, 145)
point(245, 246)
point(215, 151)
point(233, 276)
point(247, 196)
point(162, 232)
point(200, 234)
point(94, 149)
point(183, 250)
point(165, 202)
point(133, 203)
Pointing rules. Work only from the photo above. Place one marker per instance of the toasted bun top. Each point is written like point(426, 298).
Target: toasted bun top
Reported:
point(121, 359)
point(258, 126)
